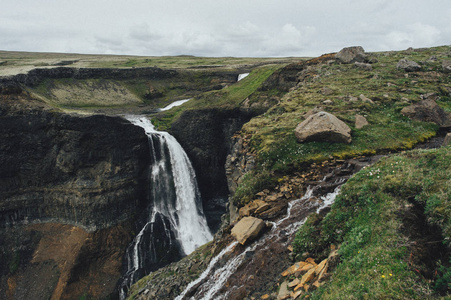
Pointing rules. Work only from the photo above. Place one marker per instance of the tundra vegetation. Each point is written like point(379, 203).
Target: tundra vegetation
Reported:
point(387, 216)
point(391, 221)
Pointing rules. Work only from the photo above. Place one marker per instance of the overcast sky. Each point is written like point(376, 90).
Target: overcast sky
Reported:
point(222, 28)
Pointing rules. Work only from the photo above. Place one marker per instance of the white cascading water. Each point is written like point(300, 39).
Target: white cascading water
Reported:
point(173, 104)
point(175, 198)
point(209, 284)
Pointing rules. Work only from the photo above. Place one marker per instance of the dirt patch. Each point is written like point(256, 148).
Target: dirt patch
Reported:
point(424, 242)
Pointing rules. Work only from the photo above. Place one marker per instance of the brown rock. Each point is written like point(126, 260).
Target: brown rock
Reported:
point(248, 228)
point(320, 267)
point(294, 268)
point(311, 261)
point(253, 207)
point(293, 283)
point(323, 127)
point(360, 121)
point(295, 295)
point(306, 278)
point(265, 296)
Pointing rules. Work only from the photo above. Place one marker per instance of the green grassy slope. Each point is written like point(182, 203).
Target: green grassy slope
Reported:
point(393, 224)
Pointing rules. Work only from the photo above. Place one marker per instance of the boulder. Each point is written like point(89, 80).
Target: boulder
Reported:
point(323, 127)
point(408, 65)
point(350, 55)
point(428, 111)
point(446, 65)
point(363, 66)
point(248, 228)
point(360, 121)
point(447, 139)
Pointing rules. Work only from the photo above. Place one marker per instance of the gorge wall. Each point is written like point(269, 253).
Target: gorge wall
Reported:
point(73, 188)
point(70, 190)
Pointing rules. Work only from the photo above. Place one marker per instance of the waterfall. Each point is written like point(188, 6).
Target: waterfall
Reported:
point(176, 222)
point(210, 284)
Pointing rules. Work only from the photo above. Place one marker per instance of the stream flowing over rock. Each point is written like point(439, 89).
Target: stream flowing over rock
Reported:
point(237, 271)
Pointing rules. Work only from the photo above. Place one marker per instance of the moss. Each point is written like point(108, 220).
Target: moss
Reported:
point(367, 221)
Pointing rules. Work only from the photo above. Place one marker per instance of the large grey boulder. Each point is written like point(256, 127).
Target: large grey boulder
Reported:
point(408, 65)
point(248, 228)
point(351, 55)
point(428, 111)
point(323, 127)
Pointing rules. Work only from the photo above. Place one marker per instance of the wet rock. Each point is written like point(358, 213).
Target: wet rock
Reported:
point(248, 228)
point(408, 65)
point(360, 121)
point(428, 111)
point(323, 127)
point(351, 54)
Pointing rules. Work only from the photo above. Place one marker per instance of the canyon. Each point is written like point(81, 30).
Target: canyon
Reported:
point(75, 176)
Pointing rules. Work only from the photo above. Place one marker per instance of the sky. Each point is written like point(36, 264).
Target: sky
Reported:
point(239, 28)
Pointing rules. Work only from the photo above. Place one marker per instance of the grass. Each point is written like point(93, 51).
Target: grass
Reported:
point(85, 93)
point(12, 59)
point(227, 98)
point(271, 136)
point(368, 221)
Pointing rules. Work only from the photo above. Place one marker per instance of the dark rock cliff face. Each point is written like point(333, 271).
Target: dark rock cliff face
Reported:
point(206, 137)
point(33, 77)
point(70, 190)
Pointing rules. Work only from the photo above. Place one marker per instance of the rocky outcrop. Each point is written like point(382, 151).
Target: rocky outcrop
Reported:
point(323, 127)
point(289, 76)
point(71, 188)
point(428, 111)
point(247, 229)
point(351, 55)
point(408, 65)
point(35, 76)
point(308, 275)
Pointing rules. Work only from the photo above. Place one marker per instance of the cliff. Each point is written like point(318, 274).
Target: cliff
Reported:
point(71, 188)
